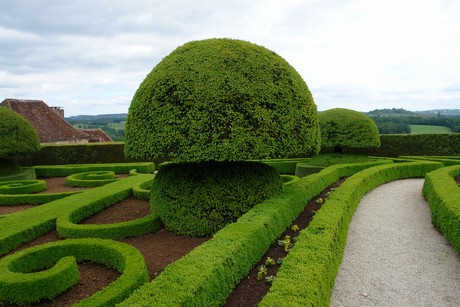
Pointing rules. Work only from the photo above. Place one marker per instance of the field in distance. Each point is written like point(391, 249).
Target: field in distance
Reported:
point(429, 129)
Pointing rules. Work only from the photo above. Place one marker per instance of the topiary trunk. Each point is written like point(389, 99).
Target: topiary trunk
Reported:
point(198, 199)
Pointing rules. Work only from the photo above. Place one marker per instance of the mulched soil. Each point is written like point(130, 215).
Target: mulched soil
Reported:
point(457, 179)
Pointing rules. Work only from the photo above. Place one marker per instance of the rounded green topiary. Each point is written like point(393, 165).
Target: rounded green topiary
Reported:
point(222, 100)
point(18, 139)
point(198, 199)
point(344, 128)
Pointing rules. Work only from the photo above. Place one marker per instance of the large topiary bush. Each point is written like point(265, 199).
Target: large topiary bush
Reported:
point(344, 128)
point(18, 139)
point(203, 188)
point(219, 100)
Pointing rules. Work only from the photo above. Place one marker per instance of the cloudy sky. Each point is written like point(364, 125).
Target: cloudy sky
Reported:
point(89, 56)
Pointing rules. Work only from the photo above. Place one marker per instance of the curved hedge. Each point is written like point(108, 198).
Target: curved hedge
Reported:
point(343, 128)
point(443, 194)
point(222, 100)
point(207, 275)
point(91, 179)
point(19, 285)
point(22, 186)
point(70, 169)
point(26, 225)
point(198, 199)
point(307, 275)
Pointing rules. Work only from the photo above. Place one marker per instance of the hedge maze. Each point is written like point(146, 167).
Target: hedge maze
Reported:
point(206, 275)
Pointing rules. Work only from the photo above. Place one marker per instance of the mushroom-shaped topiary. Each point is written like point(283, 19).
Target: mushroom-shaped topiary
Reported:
point(344, 128)
point(219, 100)
point(18, 139)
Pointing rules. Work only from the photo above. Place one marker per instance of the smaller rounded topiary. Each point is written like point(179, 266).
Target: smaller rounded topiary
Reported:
point(198, 199)
point(18, 139)
point(344, 128)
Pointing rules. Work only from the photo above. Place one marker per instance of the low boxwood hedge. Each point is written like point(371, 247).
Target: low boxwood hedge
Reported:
point(207, 275)
point(20, 283)
point(22, 186)
point(45, 171)
point(443, 194)
point(26, 225)
point(307, 275)
point(91, 179)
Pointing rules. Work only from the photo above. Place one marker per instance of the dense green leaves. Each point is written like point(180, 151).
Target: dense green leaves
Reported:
point(343, 128)
point(18, 137)
point(222, 100)
point(199, 199)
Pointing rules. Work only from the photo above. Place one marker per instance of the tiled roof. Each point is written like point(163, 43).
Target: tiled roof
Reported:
point(50, 126)
point(97, 135)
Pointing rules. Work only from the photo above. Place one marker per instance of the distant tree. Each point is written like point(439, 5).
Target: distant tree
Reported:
point(343, 128)
point(217, 103)
point(18, 139)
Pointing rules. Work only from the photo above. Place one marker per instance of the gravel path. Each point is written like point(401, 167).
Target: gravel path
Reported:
point(394, 256)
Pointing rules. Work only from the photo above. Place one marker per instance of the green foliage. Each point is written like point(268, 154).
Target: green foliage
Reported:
point(198, 199)
point(22, 186)
point(284, 166)
point(70, 169)
point(307, 275)
point(414, 145)
point(343, 128)
point(18, 137)
point(222, 100)
point(26, 225)
point(91, 179)
point(443, 195)
point(207, 275)
point(329, 159)
point(21, 285)
point(90, 153)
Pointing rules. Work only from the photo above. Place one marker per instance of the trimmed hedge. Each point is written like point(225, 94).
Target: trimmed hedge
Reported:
point(394, 145)
point(22, 186)
point(198, 199)
point(285, 166)
point(344, 128)
point(222, 100)
point(307, 275)
point(89, 153)
point(22, 174)
point(443, 194)
point(18, 137)
point(207, 275)
point(91, 179)
point(26, 225)
point(70, 169)
point(19, 285)
point(32, 199)
point(447, 160)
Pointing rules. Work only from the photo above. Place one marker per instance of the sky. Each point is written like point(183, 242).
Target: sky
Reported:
point(89, 57)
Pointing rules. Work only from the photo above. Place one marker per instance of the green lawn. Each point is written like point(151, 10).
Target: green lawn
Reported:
point(428, 129)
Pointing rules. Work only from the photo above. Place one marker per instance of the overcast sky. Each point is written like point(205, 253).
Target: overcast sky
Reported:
point(89, 56)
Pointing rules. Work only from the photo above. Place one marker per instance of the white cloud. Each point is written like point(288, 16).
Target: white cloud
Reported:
point(90, 56)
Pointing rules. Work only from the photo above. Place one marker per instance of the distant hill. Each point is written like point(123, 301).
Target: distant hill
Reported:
point(403, 112)
point(104, 117)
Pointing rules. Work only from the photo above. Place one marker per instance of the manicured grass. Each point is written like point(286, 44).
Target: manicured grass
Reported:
point(429, 129)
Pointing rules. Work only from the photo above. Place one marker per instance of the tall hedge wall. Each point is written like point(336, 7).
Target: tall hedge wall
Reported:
point(393, 145)
point(79, 154)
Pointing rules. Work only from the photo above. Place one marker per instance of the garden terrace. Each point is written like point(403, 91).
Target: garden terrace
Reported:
point(206, 274)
